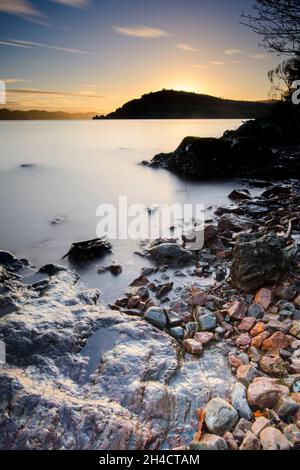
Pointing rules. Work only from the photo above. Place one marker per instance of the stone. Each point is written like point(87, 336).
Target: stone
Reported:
point(156, 316)
point(258, 329)
point(284, 292)
point(220, 416)
point(164, 290)
point(273, 365)
point(204, 337)
point(259, 425)
point(239, 401)
point(209, 442)
point(6, 257)
point(171, 254)
point(197, 299)
point(277, 341)
point(273, 326)
point(238, 310)
point(230, 440)
point(264, 393)
point(256, 311)
point(210, 232)
point(286, 407)
point(295, 330)
point(240, 195)
point(247, 324)
point(234, 223)
point(264, 298)
point(273, 439)
point(51, 269)
point(259, 339)
point(254, 354)
point(115, 268)
point(292, 433)
point(192, 346)
point(260, 260)
point(246, 374)
point(243, 340)
point(250, 442)
point(207, 322)
point(88, 250)
point(177, 332)
point(234, 361)
point(297, 301)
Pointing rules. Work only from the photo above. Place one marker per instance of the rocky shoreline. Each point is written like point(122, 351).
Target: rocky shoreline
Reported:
point(201, 352)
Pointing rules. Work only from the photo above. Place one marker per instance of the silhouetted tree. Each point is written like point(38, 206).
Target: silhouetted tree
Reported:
point(283, 76)
point(278, 22)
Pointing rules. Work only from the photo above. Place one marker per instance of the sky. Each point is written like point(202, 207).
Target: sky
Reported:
point(94, 55)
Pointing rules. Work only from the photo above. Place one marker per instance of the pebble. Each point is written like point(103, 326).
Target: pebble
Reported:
point(220, 416)
point(273, 439)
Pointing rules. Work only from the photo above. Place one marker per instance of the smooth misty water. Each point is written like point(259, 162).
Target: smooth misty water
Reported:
point(79, 165)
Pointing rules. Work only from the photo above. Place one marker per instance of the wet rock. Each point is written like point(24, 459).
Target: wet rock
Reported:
point(88, 250)
point(51, 269)
point(234, 223)
point(258, 329)
point(256, 311)
point(240, 195)
point(239, 401)
point(259, 425)
point(250, 442)
point(210, 232)
point(164, 290)
point(246, 374)
point(207, 322)
point(156, 316)
point(273, 439)
point(286, 407)
point(264, 298)
point(277, 341)
point(273, 365)
point(285, 292)
point(171, 254)
point(177, 332)
point(192, 346)
point(3, 274)
point(204, 338)
point(209, 442)
point(276, 191)
point(238, 310)
point(230, 441)
point(247, 324)
point(295, 330)
point(264, 393)
point(197, 299)
point(115, 268)
point(260, 260)
point(6, 257)
point(259, 339)
point(220, 416)
point(243, 340)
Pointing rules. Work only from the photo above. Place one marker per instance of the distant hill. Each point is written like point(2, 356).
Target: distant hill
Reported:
point(171, 104)
point(7, 115)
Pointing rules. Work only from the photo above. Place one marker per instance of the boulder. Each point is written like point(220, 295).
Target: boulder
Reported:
point(209, 442)
point(240, 195)
point(220, 416)
point(273, 439)
point(239, 401)
point(260, 260)
point(170, 254)
point(234, 223)
point(88, 250)
point(264, 392)
point(6, 257)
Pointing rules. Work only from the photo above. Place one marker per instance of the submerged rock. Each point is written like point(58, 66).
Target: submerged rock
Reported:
point(170, 254)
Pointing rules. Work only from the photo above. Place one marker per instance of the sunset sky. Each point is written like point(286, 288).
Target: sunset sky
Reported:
point(94, 55)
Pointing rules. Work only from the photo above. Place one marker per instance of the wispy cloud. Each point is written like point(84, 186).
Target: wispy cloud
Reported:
point(23, 8)
point(73, 3)
point(187, 47)
point(140, 32)
point(258, 56)
point(34, 91)
point(14, 80)
point(200, 66)
point(218, 62)
point(6, 43)
point(33, 44)
point(233, 51)
point(234, 62)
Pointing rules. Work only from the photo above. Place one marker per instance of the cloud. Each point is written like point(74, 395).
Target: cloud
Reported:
point(6, 43)
point(233, 51)
point(73, 3)
point(140, 32)
point(34, 91)
point(23, 8)
point(200, 66)
point(235, 62)
point(14, 80)
point(218, 62)
point(258, 56)
point(32, 44)
point(187, 47)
